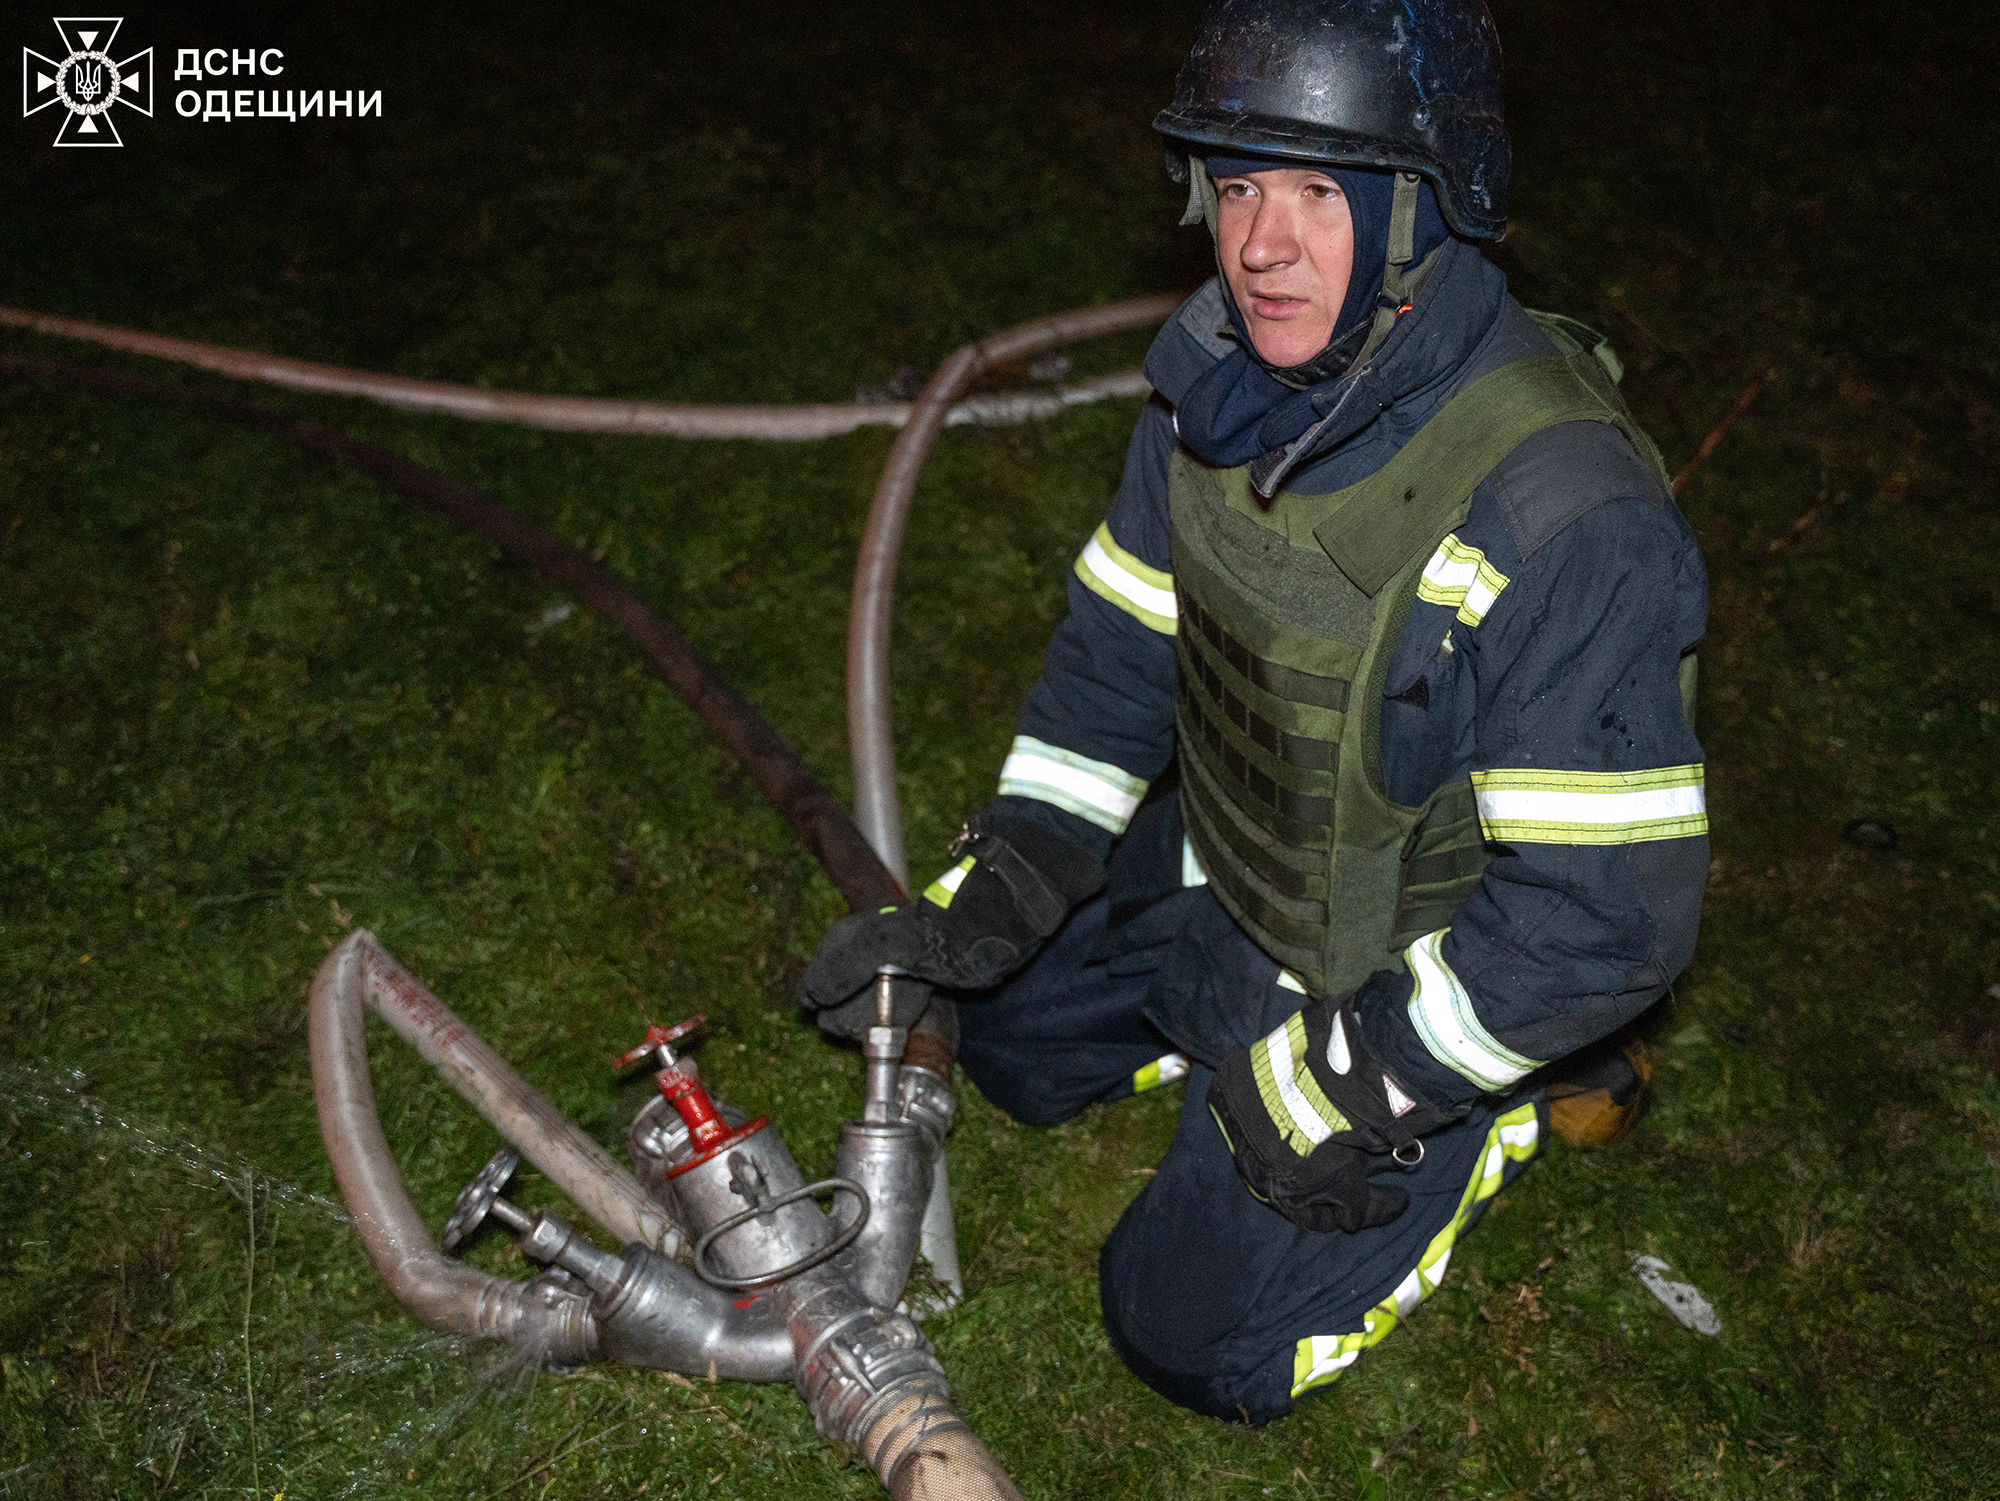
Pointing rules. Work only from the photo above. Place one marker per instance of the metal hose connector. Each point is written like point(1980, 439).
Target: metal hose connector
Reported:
point(866, 1371)
point(872, 1380)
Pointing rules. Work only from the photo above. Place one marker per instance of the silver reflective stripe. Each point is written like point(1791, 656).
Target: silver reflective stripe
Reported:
point(1191, 872)
point(1442, 1013)
point(1320, 1358)
point(1162, 1070)
point(1338, 1058)
point(1096, 790)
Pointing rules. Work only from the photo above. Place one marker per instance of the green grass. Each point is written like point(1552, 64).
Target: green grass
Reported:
point(251, 699)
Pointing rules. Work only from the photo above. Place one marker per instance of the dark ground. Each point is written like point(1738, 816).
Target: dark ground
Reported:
point(250, 698)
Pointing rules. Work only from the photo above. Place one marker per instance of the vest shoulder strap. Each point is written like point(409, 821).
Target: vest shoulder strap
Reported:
point(1372, 529)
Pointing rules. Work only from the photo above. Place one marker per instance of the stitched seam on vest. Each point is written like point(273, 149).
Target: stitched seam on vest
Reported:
point(1273, 809)
point(1252, 843)
point(1413, 923)
point(1448, 458)
point(1442, 866)
point(1373, 690)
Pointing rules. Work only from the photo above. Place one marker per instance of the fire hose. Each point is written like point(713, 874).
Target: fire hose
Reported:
point(582, 414)
point(823, 1286)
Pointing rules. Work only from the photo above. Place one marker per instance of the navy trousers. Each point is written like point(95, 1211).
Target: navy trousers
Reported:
point(1215, 1300)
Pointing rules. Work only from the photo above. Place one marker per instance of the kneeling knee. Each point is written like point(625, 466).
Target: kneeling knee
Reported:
point(1219, 1379)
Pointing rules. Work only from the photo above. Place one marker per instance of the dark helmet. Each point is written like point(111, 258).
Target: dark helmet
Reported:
point(1409, 84)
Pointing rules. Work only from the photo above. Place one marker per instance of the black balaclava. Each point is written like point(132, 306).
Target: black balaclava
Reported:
point(1244, 407)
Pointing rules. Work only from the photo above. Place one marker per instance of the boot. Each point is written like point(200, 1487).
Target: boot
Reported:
point(1599, 1097)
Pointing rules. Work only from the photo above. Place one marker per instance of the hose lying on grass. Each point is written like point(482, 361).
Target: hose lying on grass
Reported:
point(894, 1403)
point(918, 1445)
point(578, 414)
point(812, 810)
point(939, 405)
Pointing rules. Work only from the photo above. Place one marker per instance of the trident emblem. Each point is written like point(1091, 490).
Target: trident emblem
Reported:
point(87, 81)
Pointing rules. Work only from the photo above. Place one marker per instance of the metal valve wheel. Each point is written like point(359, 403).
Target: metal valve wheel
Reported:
point(476, 1199)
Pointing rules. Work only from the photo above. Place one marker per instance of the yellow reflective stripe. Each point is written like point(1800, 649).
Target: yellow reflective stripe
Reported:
point(1292, 1098)
point(1096, 790)
point(1160, 1071)
point(1275, 1106)
point(1323, 1109)
point(945, 887)
point(1289, 981)
point(1113, 574)
point(1459, 577)
point(1320, 1358)
point(1441, 1011)
point(1530, 806)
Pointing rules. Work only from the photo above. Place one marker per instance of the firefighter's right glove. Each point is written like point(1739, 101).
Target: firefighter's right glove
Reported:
point(1010, 886)
point(1312, 1116)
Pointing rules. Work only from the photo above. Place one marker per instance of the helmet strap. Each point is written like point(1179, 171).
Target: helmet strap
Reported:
point(1202, 206)
point(1396, 286)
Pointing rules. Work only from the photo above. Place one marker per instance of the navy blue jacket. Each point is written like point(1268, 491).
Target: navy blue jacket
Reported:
point(1564, 696)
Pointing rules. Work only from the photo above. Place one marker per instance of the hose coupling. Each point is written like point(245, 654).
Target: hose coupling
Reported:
point(872, 1359)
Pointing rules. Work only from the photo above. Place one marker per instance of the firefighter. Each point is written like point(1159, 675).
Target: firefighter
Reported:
point(1360, 785)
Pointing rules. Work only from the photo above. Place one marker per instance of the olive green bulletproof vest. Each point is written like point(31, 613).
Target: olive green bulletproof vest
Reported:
point(1289, 614)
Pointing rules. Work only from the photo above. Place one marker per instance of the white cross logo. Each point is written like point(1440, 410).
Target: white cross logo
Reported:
point(87, 83)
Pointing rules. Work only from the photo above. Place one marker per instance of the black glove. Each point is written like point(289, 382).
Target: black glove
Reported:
point(1010, 886)
point(1309, 1113)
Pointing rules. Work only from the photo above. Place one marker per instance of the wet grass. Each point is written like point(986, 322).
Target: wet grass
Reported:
point(252, 700)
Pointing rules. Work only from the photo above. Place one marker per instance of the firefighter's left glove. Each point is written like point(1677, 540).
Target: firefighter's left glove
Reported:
point(1313, 1119)
point(1010, 885)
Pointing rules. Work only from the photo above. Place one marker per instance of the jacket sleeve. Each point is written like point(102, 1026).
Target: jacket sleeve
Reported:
point(1098, 725)
point(1589, 784)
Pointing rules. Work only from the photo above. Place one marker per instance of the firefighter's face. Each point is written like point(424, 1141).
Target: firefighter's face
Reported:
point(1287, 242)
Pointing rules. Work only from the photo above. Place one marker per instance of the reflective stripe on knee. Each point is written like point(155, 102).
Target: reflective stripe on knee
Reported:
point(1163, 1070)
point(1320, 1358)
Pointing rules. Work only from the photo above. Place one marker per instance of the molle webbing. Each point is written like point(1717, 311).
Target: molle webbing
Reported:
point(1279, 722)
